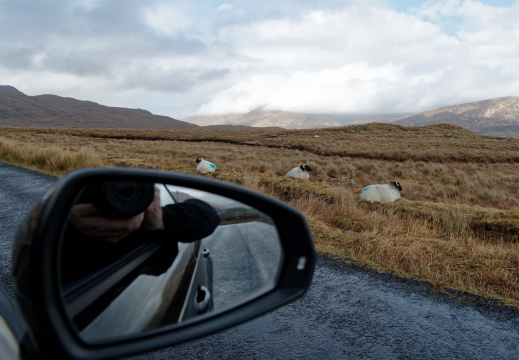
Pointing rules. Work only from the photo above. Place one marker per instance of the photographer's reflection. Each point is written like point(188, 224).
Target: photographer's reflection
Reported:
point(98, 234)
point(94, 223)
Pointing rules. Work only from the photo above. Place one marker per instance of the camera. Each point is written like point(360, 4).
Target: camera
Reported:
point(120, 199)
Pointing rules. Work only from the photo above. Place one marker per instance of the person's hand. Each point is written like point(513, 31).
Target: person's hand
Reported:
point(90, 221)
point(153, 214)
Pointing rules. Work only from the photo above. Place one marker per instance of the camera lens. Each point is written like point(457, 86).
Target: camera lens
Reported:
point(128, 198)
point(120, 198)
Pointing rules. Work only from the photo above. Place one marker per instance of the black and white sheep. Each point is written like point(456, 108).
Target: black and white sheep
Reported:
point(300, 172)
point(382, 193)
point(204, 166)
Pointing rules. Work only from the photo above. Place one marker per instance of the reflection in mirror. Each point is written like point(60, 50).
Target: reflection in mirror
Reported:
point(140, 256)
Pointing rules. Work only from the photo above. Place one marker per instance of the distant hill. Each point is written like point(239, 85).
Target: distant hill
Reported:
point(495, 117)
point(239, 127)
point(20, 110)
point(360, 118)
point(268, 118)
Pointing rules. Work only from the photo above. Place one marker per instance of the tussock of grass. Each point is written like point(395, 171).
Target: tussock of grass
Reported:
point(456, 225)
point(463, 220)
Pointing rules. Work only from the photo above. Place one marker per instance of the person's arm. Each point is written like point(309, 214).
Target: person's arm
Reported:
point(189, 221)
point(91, 221)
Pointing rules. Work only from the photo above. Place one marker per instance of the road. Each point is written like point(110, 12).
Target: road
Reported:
point(246, 259)
point(348, 312)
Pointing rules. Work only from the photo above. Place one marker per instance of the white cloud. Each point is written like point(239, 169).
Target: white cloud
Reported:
point(371, 59)
point(333, 89)
point(224, 7)
point(168, 19)
point(185, 57)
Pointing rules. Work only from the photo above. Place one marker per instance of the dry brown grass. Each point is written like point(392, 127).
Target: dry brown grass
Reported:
point(48, 158)
point(457, 225)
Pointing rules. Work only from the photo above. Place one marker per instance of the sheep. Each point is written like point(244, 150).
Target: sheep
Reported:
point(382, 193)
point(204, 166)
point(300, 172)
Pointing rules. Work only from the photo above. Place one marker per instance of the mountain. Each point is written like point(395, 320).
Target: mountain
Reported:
point(20, 110)
point(267, 118)
point(495, 117)
point(239, 127)
point(360, 118)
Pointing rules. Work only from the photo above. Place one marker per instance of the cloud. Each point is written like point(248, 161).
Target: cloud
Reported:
point(364, 58)
point(307, 91)
point(224, 7)
point(189, 57)
point(168, 19)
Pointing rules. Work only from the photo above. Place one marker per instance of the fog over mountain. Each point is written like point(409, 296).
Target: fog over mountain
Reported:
point(494, 117)
point(265, 118)
point(287, 120)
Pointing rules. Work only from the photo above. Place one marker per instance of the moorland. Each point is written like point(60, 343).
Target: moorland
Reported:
point(456, 225)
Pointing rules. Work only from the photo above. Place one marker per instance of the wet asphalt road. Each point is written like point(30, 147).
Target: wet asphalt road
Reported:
point(20, 189)
point(348, 312)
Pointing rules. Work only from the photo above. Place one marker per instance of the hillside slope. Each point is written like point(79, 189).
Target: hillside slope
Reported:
point(494, 117)
point(20, 110)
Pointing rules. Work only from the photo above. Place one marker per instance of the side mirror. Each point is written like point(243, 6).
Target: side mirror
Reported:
point(116, 261)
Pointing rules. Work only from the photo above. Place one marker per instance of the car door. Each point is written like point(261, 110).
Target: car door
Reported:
point(160, 281)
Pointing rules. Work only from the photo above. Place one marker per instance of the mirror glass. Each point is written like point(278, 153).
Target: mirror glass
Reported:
point(135, 257)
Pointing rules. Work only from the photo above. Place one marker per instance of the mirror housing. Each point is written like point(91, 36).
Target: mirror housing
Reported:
point(36, 271)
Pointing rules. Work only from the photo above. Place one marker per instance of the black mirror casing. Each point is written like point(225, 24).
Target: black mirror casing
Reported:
point(36, 271)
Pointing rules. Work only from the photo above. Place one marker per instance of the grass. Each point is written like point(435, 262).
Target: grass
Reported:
point(456, 226)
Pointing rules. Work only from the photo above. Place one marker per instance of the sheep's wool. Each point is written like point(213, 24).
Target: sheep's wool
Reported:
point(298, 173)
point(381, 193)
point(205, 166)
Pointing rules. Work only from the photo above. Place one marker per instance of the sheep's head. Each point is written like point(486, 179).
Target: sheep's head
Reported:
point(396, 184)
point(308, 168)
point(198, 160)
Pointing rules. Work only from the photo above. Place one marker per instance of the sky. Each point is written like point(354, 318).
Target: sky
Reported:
point(207, 57)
